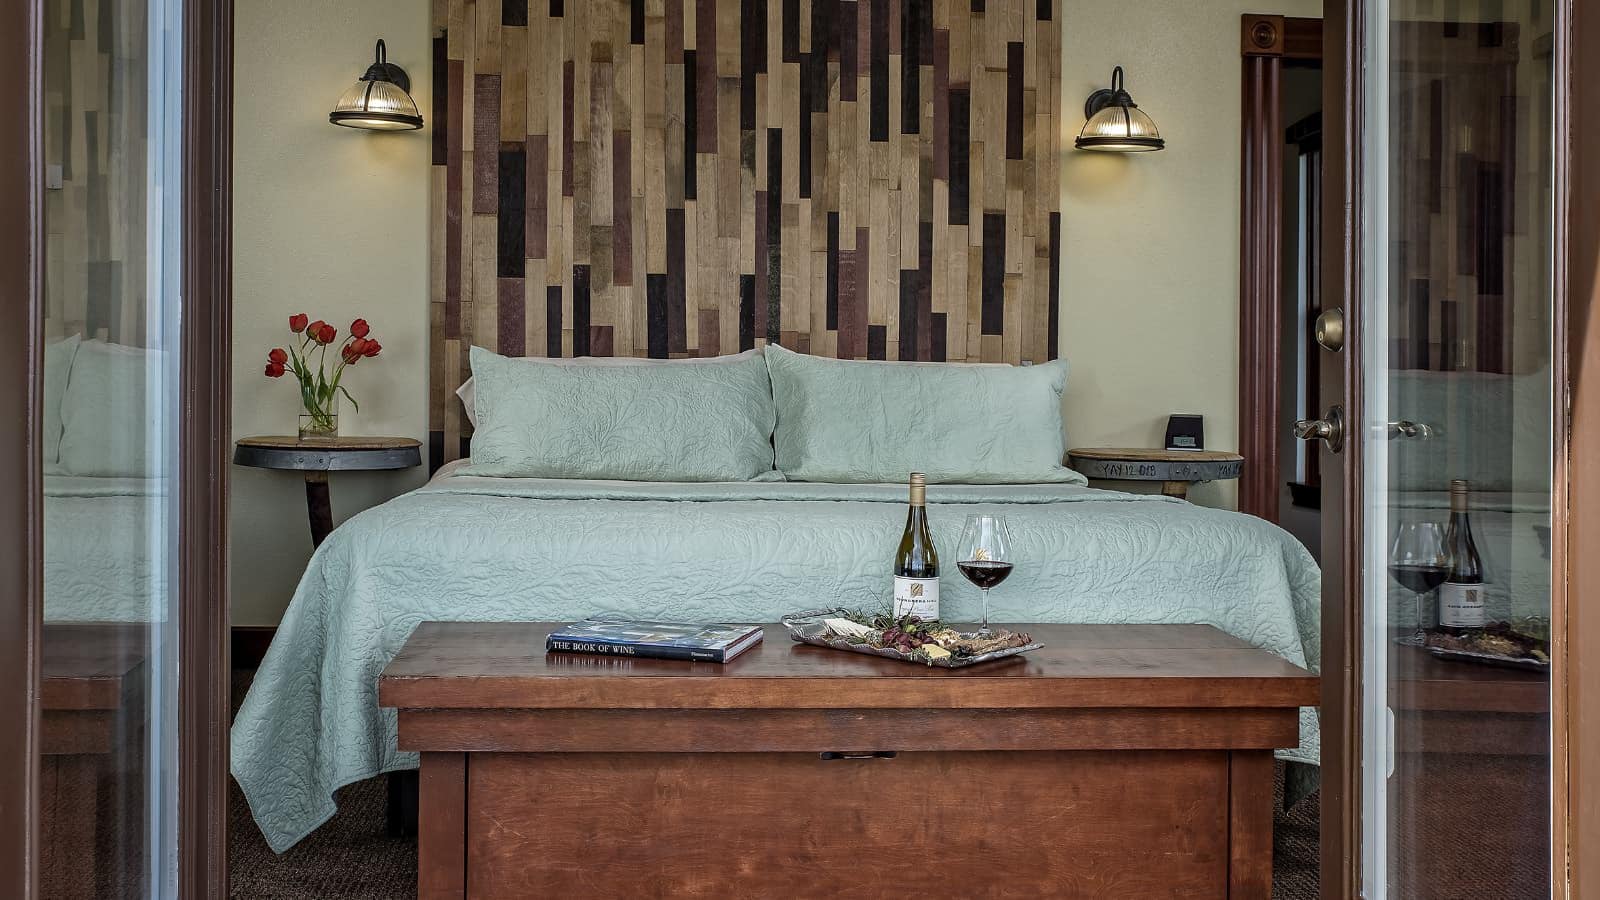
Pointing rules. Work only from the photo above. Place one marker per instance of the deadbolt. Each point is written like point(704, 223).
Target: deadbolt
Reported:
point(1329, 429)
point(1330, 329)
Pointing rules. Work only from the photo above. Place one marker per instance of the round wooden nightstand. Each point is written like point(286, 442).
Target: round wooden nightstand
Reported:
point(1175, 469)
point(316, 458)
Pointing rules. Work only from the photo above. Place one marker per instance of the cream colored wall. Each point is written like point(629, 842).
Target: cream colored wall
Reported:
point(329, 221)
point(1150, 241)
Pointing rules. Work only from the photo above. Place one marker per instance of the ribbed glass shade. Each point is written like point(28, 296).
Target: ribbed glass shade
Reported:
point(378, 105)
point(1120, 129)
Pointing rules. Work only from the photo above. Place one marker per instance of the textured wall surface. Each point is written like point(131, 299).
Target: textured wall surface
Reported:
point(669, 178)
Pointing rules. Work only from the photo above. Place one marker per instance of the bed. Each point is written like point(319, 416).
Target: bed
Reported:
point(465, 547)
point(733, 489)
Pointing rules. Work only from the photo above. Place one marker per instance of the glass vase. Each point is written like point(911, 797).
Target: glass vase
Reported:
point(320, 422)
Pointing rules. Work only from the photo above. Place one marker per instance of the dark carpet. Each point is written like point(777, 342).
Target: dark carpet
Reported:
point(353, 858)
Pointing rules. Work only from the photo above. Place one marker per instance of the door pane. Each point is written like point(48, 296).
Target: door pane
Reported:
point(110, 377)
point(1457, 330)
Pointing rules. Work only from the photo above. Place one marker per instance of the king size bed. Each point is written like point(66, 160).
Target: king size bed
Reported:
point(490, 541)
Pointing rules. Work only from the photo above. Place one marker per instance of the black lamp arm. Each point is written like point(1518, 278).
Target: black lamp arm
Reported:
point(1116, 95)
point(383, 70)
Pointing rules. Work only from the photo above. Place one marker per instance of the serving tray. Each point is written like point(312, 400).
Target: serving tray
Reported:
point(807, 628)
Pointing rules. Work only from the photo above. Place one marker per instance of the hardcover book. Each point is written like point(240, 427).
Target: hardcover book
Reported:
point(659, 640)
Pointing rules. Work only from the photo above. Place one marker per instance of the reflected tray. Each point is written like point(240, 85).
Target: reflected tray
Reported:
point(807, 628)
point(1525, 663)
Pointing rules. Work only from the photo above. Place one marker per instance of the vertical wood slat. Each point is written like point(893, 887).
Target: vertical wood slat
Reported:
point(860, 179)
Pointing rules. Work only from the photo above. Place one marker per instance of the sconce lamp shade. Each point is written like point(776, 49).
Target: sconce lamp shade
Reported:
point(1116, 123)
point(380, 100)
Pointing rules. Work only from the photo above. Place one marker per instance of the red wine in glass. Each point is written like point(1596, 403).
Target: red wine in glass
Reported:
point(1418, 579)
point(985, 573)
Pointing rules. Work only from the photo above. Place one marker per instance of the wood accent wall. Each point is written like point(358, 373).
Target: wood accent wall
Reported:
point(676, 178)
point(94, 137)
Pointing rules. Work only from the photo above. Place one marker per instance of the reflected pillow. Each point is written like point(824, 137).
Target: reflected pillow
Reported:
point(679, 421)
point(104, 422)
point(853, 421)
point(58, 358)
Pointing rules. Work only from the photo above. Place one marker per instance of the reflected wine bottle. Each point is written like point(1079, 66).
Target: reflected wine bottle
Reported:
point(1461, 607)
point(916, 563)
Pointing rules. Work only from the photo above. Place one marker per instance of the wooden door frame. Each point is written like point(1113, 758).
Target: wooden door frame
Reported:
point(1575, 508)
point(21, 475)
point(205, 348)
point(1265, 43)
point(1576, 615)
point(1343, 109)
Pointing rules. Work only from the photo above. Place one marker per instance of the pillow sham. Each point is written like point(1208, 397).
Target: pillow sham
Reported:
point(852, 421)
point(103, 415)
point(688, 421)
point(468, 390)
point(58, 358)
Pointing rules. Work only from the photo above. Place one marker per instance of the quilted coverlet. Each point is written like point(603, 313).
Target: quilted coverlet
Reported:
point(493, 549)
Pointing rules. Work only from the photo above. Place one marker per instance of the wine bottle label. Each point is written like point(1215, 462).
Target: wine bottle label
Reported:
point(916, 597)
point(1461, 605)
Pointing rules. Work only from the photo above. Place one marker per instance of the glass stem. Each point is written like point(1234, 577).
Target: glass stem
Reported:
point(984, 628)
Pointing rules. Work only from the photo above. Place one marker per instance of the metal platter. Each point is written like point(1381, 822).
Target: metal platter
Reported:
point(807, 628)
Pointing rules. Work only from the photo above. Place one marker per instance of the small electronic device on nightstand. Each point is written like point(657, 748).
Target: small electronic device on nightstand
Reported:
point(1186, 432)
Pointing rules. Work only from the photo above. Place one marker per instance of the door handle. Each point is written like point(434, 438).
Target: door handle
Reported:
point(1329, 429)
point(1329, 329)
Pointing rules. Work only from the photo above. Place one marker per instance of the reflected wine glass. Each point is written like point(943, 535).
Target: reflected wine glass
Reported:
point(1418, 563)
point(984, 557)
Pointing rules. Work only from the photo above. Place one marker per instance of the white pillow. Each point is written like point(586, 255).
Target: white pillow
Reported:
point(468, 393)
point(105, 421)
point(58, 358)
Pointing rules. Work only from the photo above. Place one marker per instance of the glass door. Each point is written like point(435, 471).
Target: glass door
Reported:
point(1456, 448)
point(111, 141)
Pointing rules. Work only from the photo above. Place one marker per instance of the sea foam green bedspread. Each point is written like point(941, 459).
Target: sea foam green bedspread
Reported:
point(486, 549)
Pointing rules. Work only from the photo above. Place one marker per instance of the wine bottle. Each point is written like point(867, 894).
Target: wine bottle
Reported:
point(1461, 595)
point(916, 563)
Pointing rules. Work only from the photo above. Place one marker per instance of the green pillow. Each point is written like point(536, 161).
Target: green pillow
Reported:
point(686, 421)
point(857, 422)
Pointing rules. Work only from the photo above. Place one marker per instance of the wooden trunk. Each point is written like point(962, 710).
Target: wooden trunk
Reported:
point(1139, 766)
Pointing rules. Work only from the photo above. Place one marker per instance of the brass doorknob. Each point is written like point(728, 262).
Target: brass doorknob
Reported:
point(1329, 429)
point(1330, 329)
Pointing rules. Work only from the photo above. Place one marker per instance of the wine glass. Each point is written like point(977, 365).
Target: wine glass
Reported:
point(984, 557)
point(1418, 563)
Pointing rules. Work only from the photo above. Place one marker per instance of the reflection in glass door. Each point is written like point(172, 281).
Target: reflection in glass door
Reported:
point(1457, 243)
point(110, 384)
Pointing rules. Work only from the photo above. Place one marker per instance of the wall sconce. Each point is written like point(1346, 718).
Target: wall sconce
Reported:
point(1116, 123)
point(380, 100)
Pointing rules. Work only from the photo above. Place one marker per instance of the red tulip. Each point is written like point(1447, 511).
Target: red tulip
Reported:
point(371, 349)
point(297, 322)
point(327, 333)
point(278, 356)
point(314, 330)
point(274, 370)
point(352, 351)
point(360, 328)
